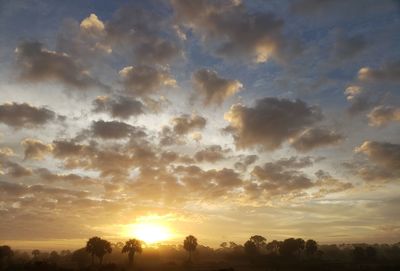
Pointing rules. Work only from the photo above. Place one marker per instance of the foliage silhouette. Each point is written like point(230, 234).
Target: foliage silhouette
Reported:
point(131, 247)
point(98, 247)
point(311, 247)
point(190, 244)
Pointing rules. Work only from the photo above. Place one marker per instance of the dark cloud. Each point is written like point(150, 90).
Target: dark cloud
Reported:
point(147, 34)
point(360, 99)
point(211, 154)
point(145, 80)
point(245, 161)
point(50, 177)
point(24, 115)
point(312, 138)
point(115, 130)
point(384, 154)
point(233, 30)
point(381, 115)
point(40, 64)
point(120, 107)
point(15, 170)
point(185, 123)
point(213, 88)
point(285, 178)
point(270, 122)
point(347, 47)
point(35, 149)
point(390, 71)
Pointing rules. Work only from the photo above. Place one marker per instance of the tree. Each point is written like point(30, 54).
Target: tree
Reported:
point(311, 247)
point(5, 253)
point(370, 253)
point(259, 241)
point(81, 257)
point(190, 244)
point(131, 247)
point(273, 246)
point(291, 246)
point(250, 248)
point(35, 253)
point(98, 247)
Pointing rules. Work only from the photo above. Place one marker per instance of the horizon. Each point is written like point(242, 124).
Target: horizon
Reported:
point(222, 119)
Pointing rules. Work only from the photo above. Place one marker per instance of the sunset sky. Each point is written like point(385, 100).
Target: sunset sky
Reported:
point(222, 119)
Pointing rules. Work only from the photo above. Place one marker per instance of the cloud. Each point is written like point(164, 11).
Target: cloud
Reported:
point(40, 64)
point(23, 115)
point(388, 72)
point(245, 161)
point(360, 100)
point(233, 31)
point(210, 154)
point(35, 149)
point(144, 80)
point(153, 38)
point(382, 115)
point(185, 123)
point(213, 88)
point(312, 138)
point(384, 154)
point(115, 130)
point(120, 107)
point(347, 47)
point(92, 24)
point(15, 170)
point(285, 178)
point(270, 122)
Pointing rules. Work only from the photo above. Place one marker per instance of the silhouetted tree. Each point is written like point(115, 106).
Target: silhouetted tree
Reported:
point(291, 246)
point(273, 246)
point(224, 245)
point(190, 244)
point(311, 247)
point(5, 254)
point(250, 248)
point(131, 247)
point(259, 241)
point(81, 257)
point(98, 247)
point(35, 253)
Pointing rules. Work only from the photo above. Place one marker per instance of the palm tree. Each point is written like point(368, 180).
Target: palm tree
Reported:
point(190, 244)
point(131, 247)
point(98, 247)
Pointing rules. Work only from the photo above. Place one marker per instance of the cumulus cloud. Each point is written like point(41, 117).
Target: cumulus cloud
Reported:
point(145, 80)
point(360, 100)
point(40, 64)
point(384, 154)
point(233, 30)
point(285, 178)
point(115, 130)
point(388, 72)
point(120, 107)
point(245, 161)
point(185, 123)
point(20, 115)
point(382, 115)
point(211, 154)
point(35, 149)
point(270, 122)
point(213, 88)
point(312, 138)
point(153, 39)
point(16, 170)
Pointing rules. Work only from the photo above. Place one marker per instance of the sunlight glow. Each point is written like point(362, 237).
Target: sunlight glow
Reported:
point(149, 232)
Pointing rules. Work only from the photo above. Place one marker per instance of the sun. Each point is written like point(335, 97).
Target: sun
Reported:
point(149, 232)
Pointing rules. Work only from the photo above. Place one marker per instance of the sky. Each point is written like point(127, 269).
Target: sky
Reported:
point(222, 119)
